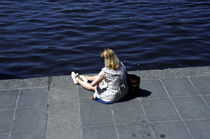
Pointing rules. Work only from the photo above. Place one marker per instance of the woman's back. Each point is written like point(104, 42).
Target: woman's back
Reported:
point(115, 83)
point(115, 78)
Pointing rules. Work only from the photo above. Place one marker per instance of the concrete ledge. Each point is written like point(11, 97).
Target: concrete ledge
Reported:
point(173, 73)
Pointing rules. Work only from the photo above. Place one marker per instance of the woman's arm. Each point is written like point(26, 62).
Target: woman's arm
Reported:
point(98, 79)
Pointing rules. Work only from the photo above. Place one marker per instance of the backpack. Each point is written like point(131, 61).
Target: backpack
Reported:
point(133, 84)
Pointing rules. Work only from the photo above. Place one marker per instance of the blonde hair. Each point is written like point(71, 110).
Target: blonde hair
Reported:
point(110, 59)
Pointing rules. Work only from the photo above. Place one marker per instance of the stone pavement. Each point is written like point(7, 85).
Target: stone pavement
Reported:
point(174, 104)
point(23, 108)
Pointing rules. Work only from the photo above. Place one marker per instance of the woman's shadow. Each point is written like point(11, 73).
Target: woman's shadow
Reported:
point(140, 93)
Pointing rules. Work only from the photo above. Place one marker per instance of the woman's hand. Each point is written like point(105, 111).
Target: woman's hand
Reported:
point(98, 79)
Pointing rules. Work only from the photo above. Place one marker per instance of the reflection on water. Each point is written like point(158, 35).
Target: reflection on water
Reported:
point(43, 38)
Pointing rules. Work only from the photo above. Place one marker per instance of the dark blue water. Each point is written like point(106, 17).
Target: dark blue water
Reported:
point(54, 37)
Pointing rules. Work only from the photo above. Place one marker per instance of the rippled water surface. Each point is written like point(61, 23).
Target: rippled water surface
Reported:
point(54, 37)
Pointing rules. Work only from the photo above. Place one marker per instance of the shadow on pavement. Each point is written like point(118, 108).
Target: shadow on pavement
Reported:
point(140, 93)
point(143, 93)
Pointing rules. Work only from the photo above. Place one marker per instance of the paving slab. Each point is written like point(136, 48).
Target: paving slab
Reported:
point(28, 120)
point(62, 96)
point(95, 115)
point(8, 98)
point(84, 95)
point(7, 84)
point(171, 130)
point(202, 84)
point(34, 134)
point(63, 111)
point(69, 115)
point(33, 98)
point(128, 112)
point(155, 87)
point(32, 82)
point(107, 132)
point(61, 81)
point(173, 73)
point(179, 87)
point(192, 108)
point(207, 99)
point(199, 128)
point(6, 118)
point(135, 131)
point(160, 110)
point(62, 123)
point(4, 135)
point(23, 111)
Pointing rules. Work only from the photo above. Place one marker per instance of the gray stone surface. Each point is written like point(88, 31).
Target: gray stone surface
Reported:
point(171, 130)
point(155, 87)
point(55, 108)
point(33, 98)
point(202, 84)
point(32, 82)
point(61, 81)
point(179, 87)
point(63, 124)
point(4, 135)
point(59, 96)
point(160, 110)
point(28, 120)
point(199, 128)
point(129, 112)
point(84, 96)
point(34, 134)
point(7, 84)
point(173, 73)
point(207, 99)
point(69, 114)
point(63, 112)
point(95, 114)
point(62, 96)
point(8, 98)
point(135, 131)
point(23, 111)
point(6, 118)
point(192, 108)
point(100, 132)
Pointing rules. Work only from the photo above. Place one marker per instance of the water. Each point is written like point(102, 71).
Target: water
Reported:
point(54, 37)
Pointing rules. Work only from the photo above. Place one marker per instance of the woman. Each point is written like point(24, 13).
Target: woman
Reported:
point(110, 85)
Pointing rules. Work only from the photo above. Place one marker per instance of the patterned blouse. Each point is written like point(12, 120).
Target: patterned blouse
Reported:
point(114, 86)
